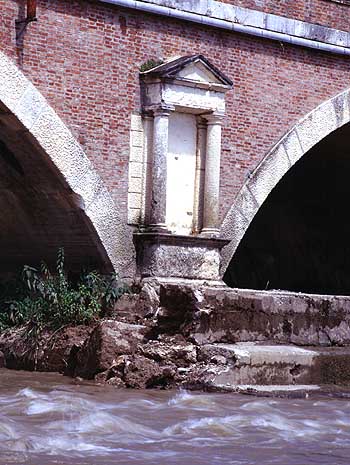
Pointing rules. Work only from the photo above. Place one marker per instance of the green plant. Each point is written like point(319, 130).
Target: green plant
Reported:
point(46, 299)
point(149, 64)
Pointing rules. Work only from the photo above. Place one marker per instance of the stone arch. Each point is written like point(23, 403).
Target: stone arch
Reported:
point(310, 130)
point(23, 106)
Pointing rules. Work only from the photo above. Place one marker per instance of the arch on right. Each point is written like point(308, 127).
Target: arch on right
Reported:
point(289, 226)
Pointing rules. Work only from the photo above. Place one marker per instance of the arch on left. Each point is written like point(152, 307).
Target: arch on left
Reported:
point(51, 196)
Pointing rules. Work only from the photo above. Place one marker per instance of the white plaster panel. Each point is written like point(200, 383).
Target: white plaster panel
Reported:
point(221, 11)
point(248, 204)
point(181, 168)
point(341, 104)
point(210, 266)
point(198, 6)
point(153, 94)
point(250, 17)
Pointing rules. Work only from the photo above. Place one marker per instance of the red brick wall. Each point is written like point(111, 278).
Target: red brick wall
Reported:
point(85, 56)
point(324, 12)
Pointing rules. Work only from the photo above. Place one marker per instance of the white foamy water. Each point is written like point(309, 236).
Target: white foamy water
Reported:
point(47, 419)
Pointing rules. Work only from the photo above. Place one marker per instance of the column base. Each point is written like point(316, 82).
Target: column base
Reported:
point(210, 232)
point(170, 255)
point(157, 228)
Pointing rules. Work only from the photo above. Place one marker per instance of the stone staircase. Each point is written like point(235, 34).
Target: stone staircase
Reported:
point(261, 342)
point(261, 367)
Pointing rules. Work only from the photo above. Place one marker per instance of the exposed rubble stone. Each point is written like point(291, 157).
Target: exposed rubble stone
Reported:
point(108, 340)
point(181, 354)
point(133, 308)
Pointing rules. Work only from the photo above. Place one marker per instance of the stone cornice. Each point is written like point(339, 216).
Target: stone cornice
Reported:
point(223, 15)
point(259, 19)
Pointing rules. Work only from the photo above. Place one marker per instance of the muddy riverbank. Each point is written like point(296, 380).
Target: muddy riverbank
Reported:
point(192, 335)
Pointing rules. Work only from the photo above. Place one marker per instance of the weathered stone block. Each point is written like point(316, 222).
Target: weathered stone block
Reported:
point(109, 339)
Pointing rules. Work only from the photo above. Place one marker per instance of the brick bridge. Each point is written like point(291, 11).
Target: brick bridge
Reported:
point(154, 136)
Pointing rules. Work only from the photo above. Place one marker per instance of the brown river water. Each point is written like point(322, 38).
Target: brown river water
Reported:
point(46, 419)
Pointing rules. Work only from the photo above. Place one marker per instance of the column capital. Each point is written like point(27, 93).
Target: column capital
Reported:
point(201, 122)
point(147, 116)
point(163, 110)
point(214, 118)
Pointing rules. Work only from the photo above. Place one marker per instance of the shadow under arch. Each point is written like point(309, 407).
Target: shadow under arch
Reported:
point(50, 189)
point(325, 120)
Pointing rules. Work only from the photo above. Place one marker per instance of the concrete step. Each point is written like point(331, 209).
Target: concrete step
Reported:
point(228, 366)
point(297, 391)
point(208, 314)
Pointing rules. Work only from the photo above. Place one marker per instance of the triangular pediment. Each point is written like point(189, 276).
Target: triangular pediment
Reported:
point(194, 68)
point(198, 72)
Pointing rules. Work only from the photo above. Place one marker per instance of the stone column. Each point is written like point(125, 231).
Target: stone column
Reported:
point(200, 173)
point(212, 176)
point(159, 169)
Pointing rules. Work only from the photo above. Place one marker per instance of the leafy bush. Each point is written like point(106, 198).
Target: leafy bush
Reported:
point(50, 299)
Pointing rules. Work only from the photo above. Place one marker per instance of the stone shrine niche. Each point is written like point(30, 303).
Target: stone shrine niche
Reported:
point(175, 153)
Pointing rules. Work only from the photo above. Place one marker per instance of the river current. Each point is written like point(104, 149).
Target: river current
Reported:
point(46, 419)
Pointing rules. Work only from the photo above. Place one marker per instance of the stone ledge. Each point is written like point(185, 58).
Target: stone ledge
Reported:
point(181, 240)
